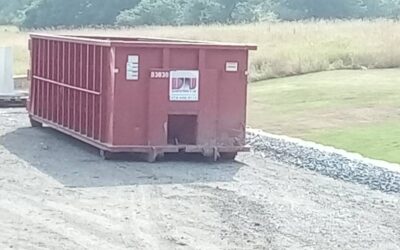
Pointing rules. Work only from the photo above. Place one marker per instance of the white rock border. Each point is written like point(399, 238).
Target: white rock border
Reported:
point(352, 156)
point(328, 161)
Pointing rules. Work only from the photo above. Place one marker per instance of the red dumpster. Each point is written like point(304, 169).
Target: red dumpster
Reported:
point(145, 95)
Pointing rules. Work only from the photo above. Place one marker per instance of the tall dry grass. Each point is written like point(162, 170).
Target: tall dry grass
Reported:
point(286, 48)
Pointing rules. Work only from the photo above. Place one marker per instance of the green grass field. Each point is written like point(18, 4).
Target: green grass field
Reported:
point(358, 111)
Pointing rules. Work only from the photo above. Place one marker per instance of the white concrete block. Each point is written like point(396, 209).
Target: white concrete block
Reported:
point(6, 72)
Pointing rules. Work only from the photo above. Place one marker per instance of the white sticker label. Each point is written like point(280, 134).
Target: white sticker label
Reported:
point(132, 68)
point(133, 59)
point(184, 85)
point(232, 67)
point(159, 74)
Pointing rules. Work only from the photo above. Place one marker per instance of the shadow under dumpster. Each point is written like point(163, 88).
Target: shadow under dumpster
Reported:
point(76, 164)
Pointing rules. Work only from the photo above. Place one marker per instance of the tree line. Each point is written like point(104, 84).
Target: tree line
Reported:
point(74, 13)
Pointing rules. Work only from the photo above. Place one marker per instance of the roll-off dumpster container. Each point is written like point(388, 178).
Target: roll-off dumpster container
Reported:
point(145, 95)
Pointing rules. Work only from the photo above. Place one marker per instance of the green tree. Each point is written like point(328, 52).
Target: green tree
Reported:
point(202, 12)
point(391, 8)
point(104, 12)
point(227, 11)
point(254, 11)
point(324, 8)
point(10, 10)
point(153, 12)
point(229, 7)
point(373, 8)
point(53, 13)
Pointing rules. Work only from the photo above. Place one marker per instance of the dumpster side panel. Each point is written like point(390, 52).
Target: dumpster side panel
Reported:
point(232, 94)
point(142, 105)
point(208, 120)
point(143, 119)
point(67, 86)
point(187, 59)
point(131, 100)
point(160, 106)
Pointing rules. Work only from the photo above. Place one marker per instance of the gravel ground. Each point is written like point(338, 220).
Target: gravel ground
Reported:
point(56, 193)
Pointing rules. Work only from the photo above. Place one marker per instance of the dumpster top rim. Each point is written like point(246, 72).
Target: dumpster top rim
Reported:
point(117, 41)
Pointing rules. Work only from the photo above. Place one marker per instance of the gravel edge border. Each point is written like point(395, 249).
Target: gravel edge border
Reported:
point(329, 161)
point(354, 156)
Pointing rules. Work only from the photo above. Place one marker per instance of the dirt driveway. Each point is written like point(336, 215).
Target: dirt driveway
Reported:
point(56, 193)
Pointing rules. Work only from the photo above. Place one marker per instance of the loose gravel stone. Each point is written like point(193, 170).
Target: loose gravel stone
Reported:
point(335, 165)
